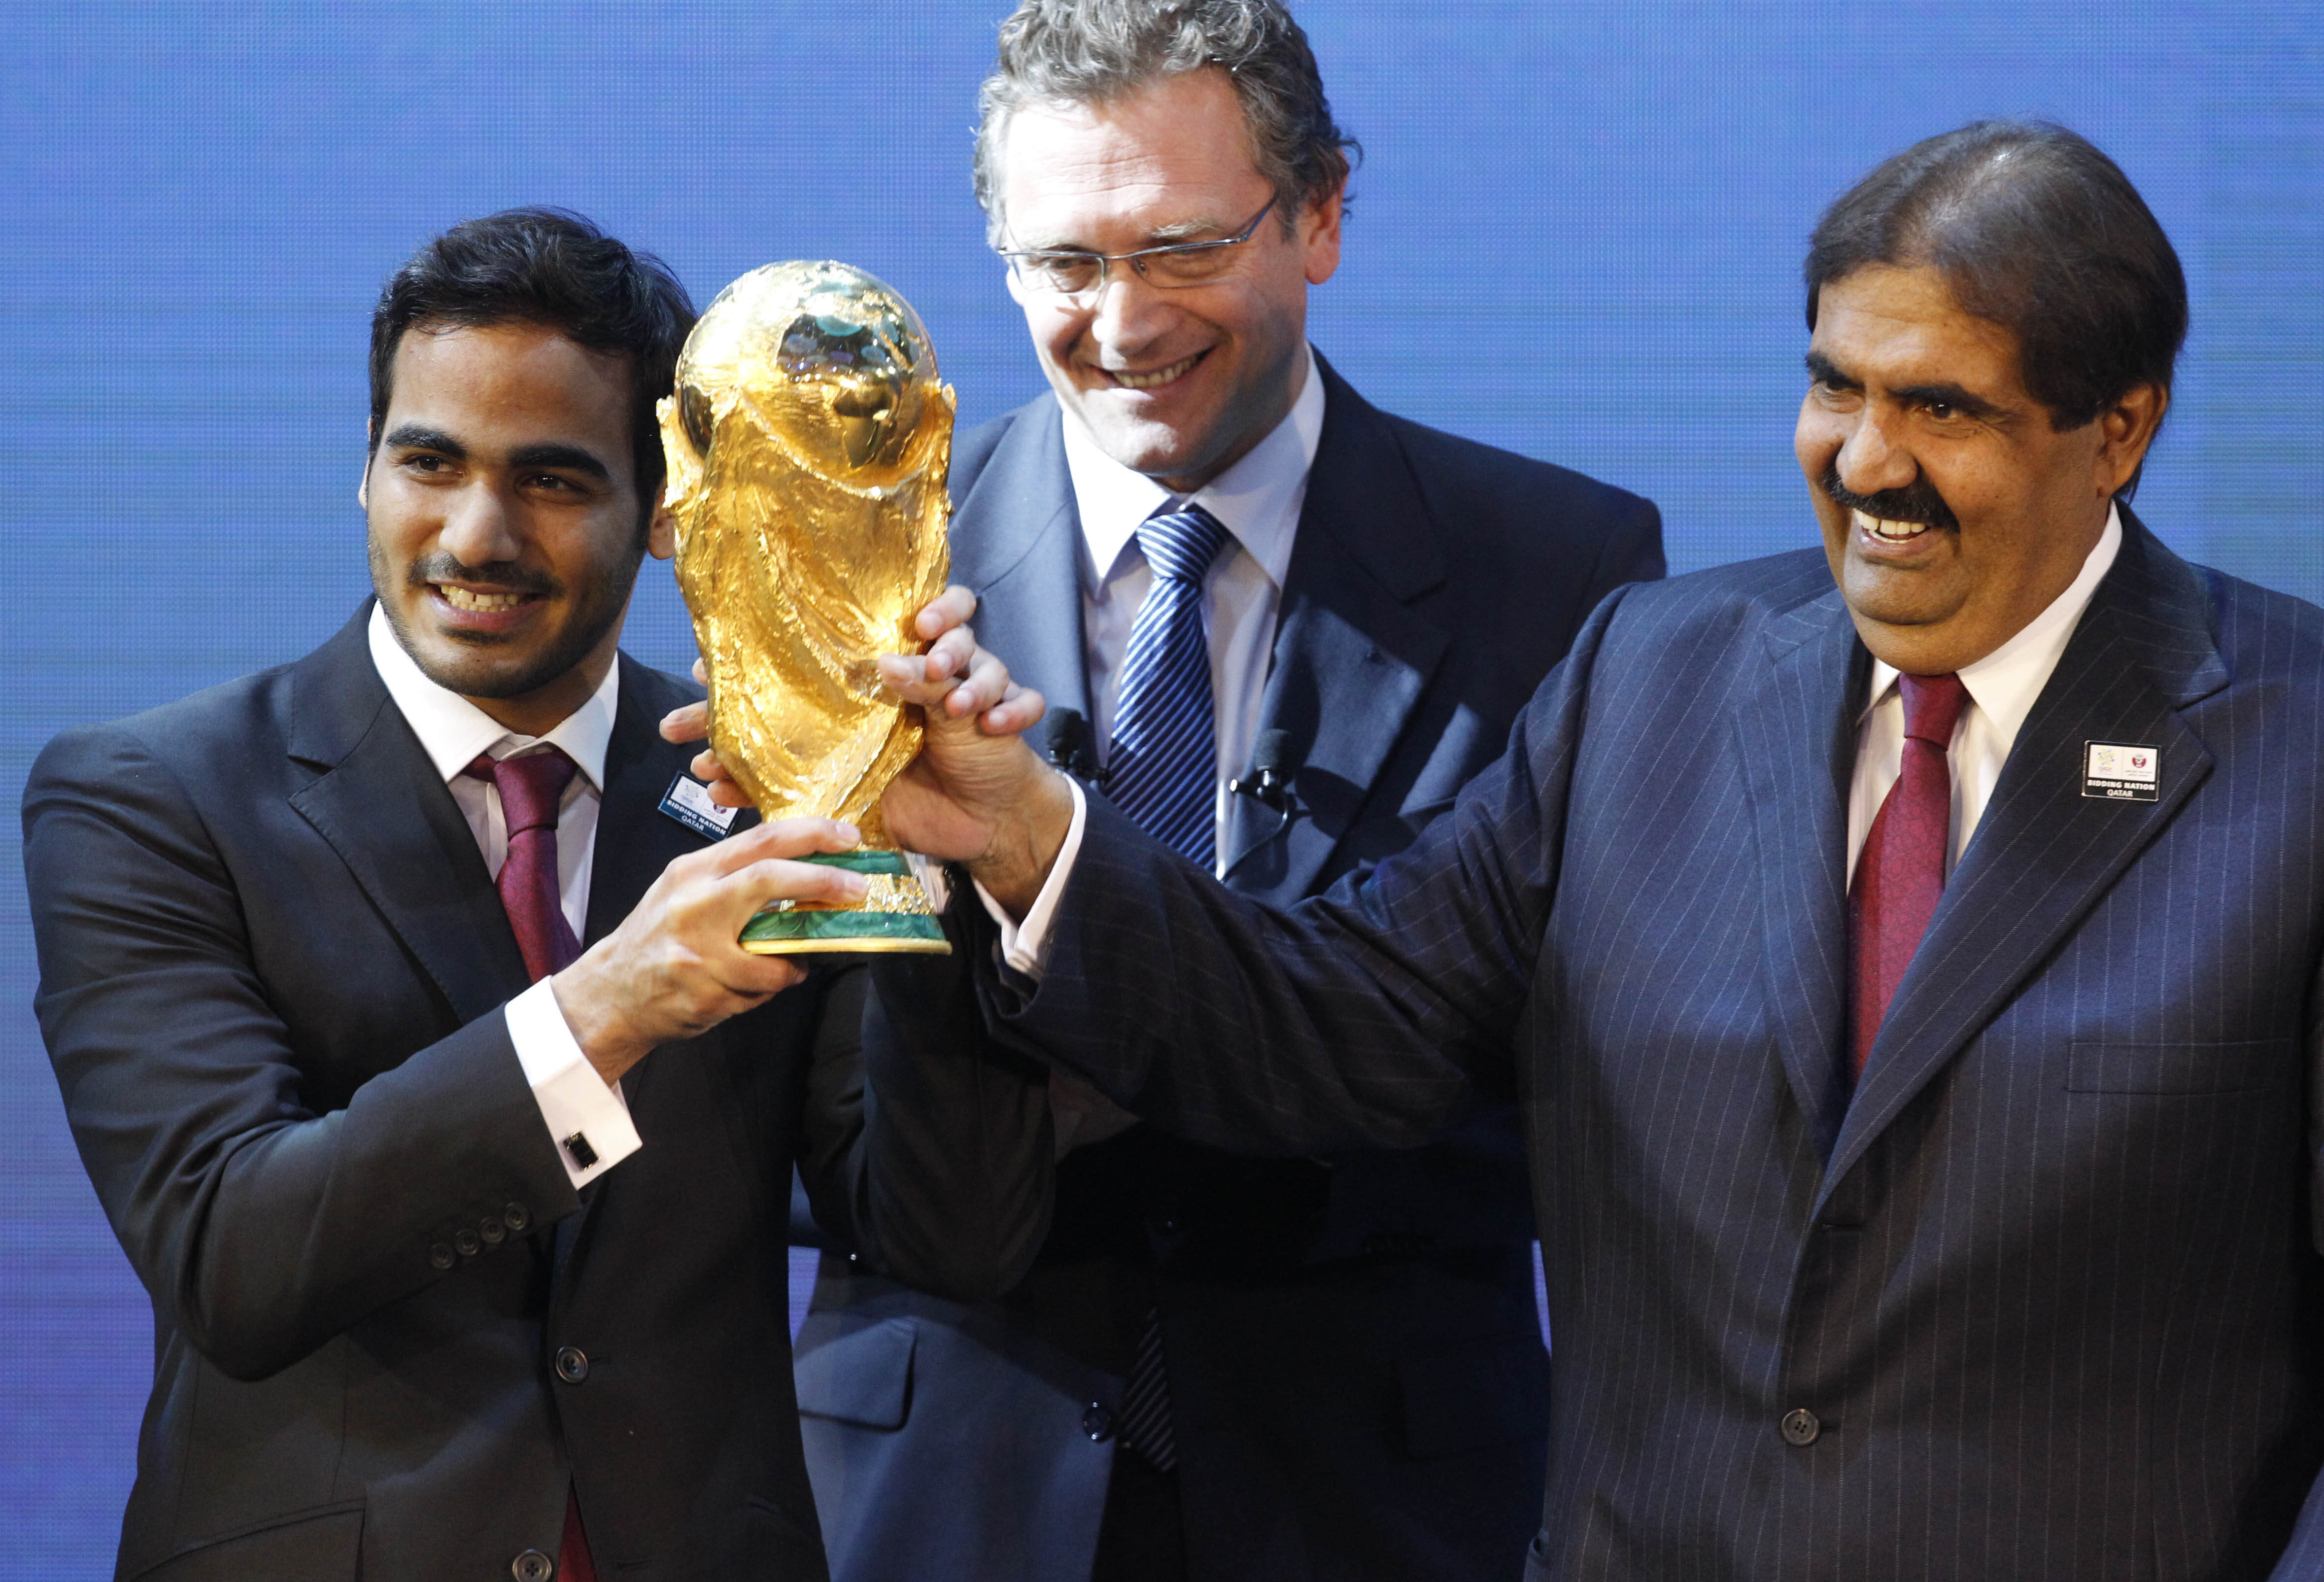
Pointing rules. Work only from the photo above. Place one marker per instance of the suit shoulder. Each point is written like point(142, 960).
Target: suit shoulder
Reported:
point(1744, 593)
point(658, 690)
point(161, 769)
point(236, 718)
point(1501, 479)
point(972, 449)
point(2259, 629)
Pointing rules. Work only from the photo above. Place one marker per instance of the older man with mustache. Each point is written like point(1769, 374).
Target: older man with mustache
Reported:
point(1906, 954)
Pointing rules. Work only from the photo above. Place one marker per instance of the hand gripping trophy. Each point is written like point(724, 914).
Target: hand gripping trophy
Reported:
point(808, 442)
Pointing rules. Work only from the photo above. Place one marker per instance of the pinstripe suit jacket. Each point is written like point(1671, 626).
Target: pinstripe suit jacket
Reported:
point(2046, 1285)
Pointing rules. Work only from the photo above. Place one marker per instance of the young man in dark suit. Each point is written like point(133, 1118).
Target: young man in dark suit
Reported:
point(452, 1276)
point(1907, 953)
point(1219, 1366)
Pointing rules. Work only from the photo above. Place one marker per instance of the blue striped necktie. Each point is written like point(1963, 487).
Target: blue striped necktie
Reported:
point(1164, 765)
point(1165, 776)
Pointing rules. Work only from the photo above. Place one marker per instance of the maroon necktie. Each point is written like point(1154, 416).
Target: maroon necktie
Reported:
point(1901, 872)
point(531, 788)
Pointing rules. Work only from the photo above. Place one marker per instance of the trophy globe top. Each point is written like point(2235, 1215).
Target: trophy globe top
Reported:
point(828, 365)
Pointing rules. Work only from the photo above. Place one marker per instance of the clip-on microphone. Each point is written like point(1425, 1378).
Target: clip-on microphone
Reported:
point(1073, 749)
point(1267, 781)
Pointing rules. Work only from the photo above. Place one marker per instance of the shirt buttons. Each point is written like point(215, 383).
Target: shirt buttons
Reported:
point(572, 1364)
point(1800, 1426)
point(1097, 1422)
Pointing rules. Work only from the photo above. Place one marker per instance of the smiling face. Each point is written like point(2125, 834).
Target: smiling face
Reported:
point(1952, 514)
point(1177, 384)
point(505, 519)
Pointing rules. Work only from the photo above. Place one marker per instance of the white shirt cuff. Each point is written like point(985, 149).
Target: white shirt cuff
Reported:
point(1025, 947)
point(588, 1118)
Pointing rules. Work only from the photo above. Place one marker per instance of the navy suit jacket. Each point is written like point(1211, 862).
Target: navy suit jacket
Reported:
point(2040, 1300)
point(1359, 1385)
point(272, 968)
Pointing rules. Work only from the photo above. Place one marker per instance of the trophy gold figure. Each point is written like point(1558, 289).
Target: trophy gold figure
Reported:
point(807, 440)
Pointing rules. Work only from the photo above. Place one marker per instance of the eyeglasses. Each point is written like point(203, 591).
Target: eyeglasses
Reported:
point(1080, 276)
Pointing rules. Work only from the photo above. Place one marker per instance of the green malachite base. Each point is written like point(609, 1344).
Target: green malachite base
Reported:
point(792, 932)
point(890, 863)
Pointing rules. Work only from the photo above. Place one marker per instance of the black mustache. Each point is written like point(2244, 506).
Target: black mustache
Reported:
point(1917, 502)
point(501, 574)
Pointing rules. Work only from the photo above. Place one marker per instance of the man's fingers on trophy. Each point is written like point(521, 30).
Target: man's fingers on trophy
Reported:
point(689, 723)
point(1020, 710)
point(906, 676)
point(781, 879)
point(783, 837)
point(986, 684)
point(948, 609)
point(951, 654)
point(724, 788)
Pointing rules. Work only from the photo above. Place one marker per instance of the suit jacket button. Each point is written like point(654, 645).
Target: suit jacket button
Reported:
point(440, 1254)
point(1800, 1426)
point(572, 1364)
point(515, 1218)
point(493, 1232)
point(466, 1242)
point(1097, 1422)
point(533, 1566)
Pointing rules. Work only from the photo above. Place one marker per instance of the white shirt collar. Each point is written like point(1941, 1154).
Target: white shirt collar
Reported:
point(453, 731)
point(1256, 499)
point(2006, 683)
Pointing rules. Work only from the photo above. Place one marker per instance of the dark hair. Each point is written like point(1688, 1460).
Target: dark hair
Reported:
point(1087, 52)
point(2034, 230)
point(553, 268)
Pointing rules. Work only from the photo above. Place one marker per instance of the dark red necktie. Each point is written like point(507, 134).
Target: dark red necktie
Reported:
point(532, 787)
point(1901, 872)
point(532, 791)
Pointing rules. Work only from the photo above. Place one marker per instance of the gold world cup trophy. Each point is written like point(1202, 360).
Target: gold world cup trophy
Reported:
point(807, 441)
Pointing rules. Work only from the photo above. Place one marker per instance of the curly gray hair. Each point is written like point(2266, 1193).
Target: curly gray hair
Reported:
point(1088, 51)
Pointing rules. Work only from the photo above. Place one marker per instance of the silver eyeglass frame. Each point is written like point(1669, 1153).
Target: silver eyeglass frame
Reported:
point(1018, 264)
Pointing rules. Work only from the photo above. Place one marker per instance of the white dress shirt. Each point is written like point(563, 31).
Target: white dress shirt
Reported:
point(2002, 687)
point(1257, 500)
point(453, 731)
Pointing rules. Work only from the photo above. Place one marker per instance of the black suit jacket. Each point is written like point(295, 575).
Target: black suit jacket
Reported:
point(1358, 1380)
point(2039, 1301)
point(272, 968)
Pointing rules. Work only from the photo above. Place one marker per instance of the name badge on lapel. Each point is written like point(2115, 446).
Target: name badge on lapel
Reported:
point(2120, 772)
point(688, 801)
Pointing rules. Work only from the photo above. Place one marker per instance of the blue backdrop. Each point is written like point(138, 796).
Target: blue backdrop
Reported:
point(1577, 234)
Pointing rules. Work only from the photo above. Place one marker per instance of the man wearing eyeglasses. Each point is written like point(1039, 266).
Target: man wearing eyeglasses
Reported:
point(1203, 543)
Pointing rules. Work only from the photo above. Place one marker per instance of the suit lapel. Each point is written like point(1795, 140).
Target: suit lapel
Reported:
point(2044, 853)
point(380, 805)
point(1350, 658)
point(1016, 542)
point(1797, 736)
point(635, 839)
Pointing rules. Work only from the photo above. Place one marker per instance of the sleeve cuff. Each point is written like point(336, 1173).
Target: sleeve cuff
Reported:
point(586, 1117)
point(1025, 946)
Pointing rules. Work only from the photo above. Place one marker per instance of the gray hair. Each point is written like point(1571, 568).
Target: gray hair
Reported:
point(1089, 52)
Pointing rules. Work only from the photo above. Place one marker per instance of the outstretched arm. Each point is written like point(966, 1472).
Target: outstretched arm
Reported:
point(1374, 1015)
